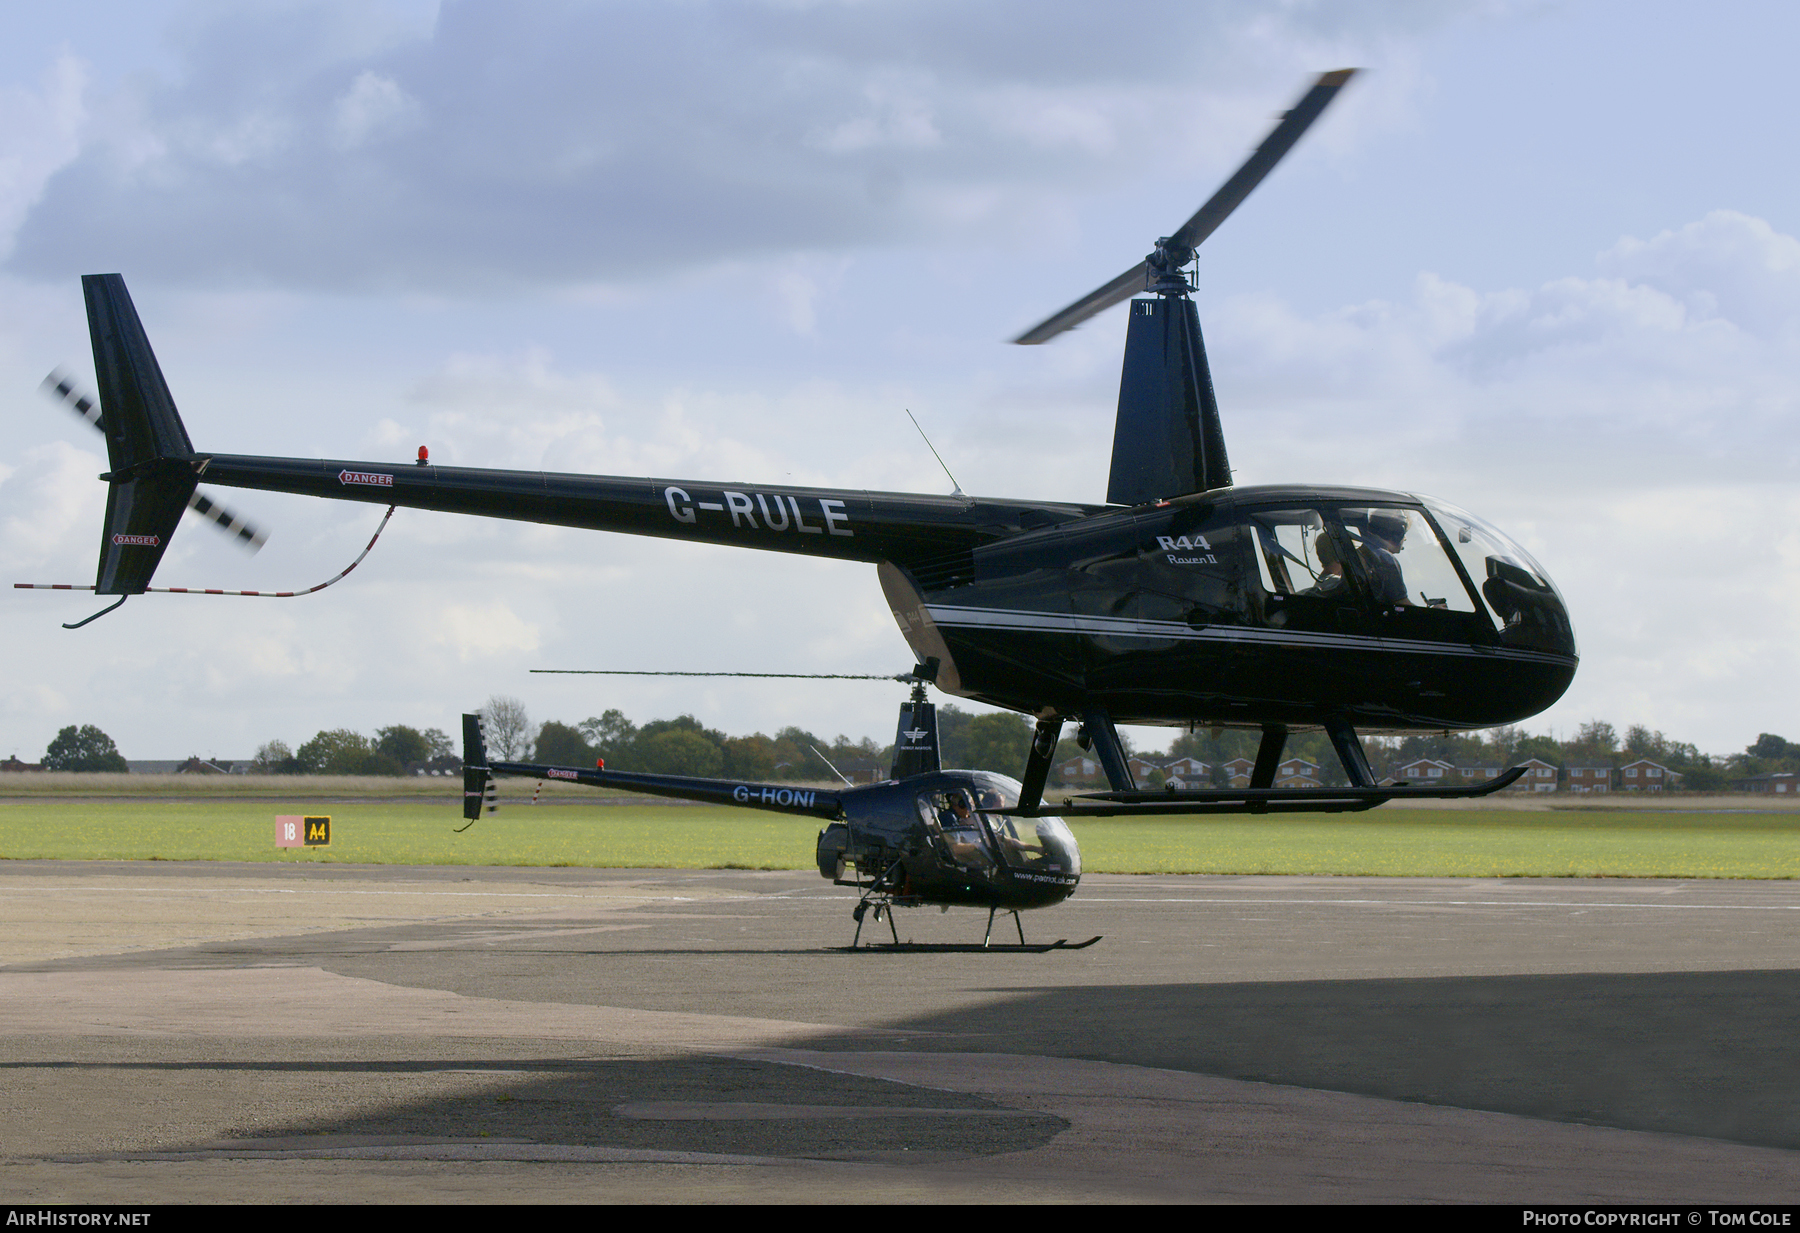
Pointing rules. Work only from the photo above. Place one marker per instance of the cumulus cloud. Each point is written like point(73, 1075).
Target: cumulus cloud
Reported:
point(373, 108)
point(481, 631)
point(1674, 361)
point(528, 144)
point(1633, 426)
point(50, 506)
point(39, 133)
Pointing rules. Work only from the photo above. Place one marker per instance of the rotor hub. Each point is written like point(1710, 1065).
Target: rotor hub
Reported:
point(1164, 268)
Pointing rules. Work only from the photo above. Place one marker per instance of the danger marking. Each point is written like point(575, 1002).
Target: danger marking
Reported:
point(375, 478)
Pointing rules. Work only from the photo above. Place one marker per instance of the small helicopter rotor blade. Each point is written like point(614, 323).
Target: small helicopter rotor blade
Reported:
point(1275, 146)
point(1119, 289)
point(1207, 218)
point(61, 386)
point(784, 676)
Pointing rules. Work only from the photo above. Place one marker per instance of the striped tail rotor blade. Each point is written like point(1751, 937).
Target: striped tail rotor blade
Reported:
point(60, 386)
point(226, 521)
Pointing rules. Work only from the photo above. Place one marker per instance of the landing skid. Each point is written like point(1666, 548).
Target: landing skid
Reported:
point(970, 948)
point(883, 901)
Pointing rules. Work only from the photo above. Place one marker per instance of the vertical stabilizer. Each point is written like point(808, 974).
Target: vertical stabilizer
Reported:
point(478, 785)
point(151, 473)
point(916, 739)
point(1167, 441)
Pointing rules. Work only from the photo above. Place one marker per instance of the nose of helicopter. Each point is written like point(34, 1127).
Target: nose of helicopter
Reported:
point(1528, 610)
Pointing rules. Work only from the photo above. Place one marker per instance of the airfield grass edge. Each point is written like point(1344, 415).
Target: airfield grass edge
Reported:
point(1409, 843)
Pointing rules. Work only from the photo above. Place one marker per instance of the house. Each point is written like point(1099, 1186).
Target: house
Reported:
point(13, 764)
point(1782, 783)
point(1238, 771)
point(1141, 769)
point(1077, 771)
point(1297, 773)
point(1646, 776)
point(1539, 776)
point(1188, 773)
point(1424, 770)
point(1590, 778)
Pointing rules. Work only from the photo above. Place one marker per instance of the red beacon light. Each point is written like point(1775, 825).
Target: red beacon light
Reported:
point(424, 456)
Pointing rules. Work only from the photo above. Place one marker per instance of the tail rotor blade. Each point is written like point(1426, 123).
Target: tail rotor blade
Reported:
point(228, 522)
point(61, 386)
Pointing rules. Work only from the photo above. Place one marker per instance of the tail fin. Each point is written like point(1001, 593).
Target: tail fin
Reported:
point(478, 785)
point(152, 461)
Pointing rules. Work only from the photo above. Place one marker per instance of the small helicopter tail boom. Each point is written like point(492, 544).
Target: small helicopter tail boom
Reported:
point(479, 775)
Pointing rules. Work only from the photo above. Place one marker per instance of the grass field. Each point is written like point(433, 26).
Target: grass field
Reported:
point(1661, 843)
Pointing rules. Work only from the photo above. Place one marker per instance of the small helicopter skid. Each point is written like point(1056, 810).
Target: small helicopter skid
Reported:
point(884, 908)
point(879, 899)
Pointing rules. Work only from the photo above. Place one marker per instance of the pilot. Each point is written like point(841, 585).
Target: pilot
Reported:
point(1386, 535)
point(960, 830)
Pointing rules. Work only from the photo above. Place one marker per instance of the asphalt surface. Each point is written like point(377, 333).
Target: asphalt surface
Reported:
point(174, 1032)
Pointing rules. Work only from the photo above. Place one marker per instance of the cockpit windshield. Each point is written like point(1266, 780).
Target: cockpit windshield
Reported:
point(950, 818)
point(1524, 602)
point(1406, 566)
point(972, 835)
point(1038, 845)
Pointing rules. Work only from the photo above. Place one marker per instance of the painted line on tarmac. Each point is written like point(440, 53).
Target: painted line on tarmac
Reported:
point(1456, 903)
point(1088, 899)
point(282, 890)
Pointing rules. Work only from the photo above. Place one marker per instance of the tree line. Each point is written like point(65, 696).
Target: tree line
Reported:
point(685, 746)
point(999, 741)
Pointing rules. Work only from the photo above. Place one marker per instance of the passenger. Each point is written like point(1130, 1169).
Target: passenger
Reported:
point(1331, 569)
point(1386, 535)
point(958, 816)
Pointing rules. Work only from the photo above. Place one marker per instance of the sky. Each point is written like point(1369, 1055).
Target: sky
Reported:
point(1539, 259)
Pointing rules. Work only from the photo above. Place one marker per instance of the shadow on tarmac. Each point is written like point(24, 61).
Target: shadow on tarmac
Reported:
point(1693, 1053)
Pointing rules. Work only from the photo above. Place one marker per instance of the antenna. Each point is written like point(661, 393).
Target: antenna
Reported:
point(928, 445)
point(827, 762)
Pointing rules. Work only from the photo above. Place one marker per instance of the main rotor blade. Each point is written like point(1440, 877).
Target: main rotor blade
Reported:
point(1119, 289)
point(1207, 218)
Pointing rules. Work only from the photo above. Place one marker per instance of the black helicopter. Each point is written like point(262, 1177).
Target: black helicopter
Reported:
point(924, 836)
point(1182, 601)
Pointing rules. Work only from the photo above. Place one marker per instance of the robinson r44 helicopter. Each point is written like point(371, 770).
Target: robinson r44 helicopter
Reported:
point(924, 836)
point(1181, 601)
